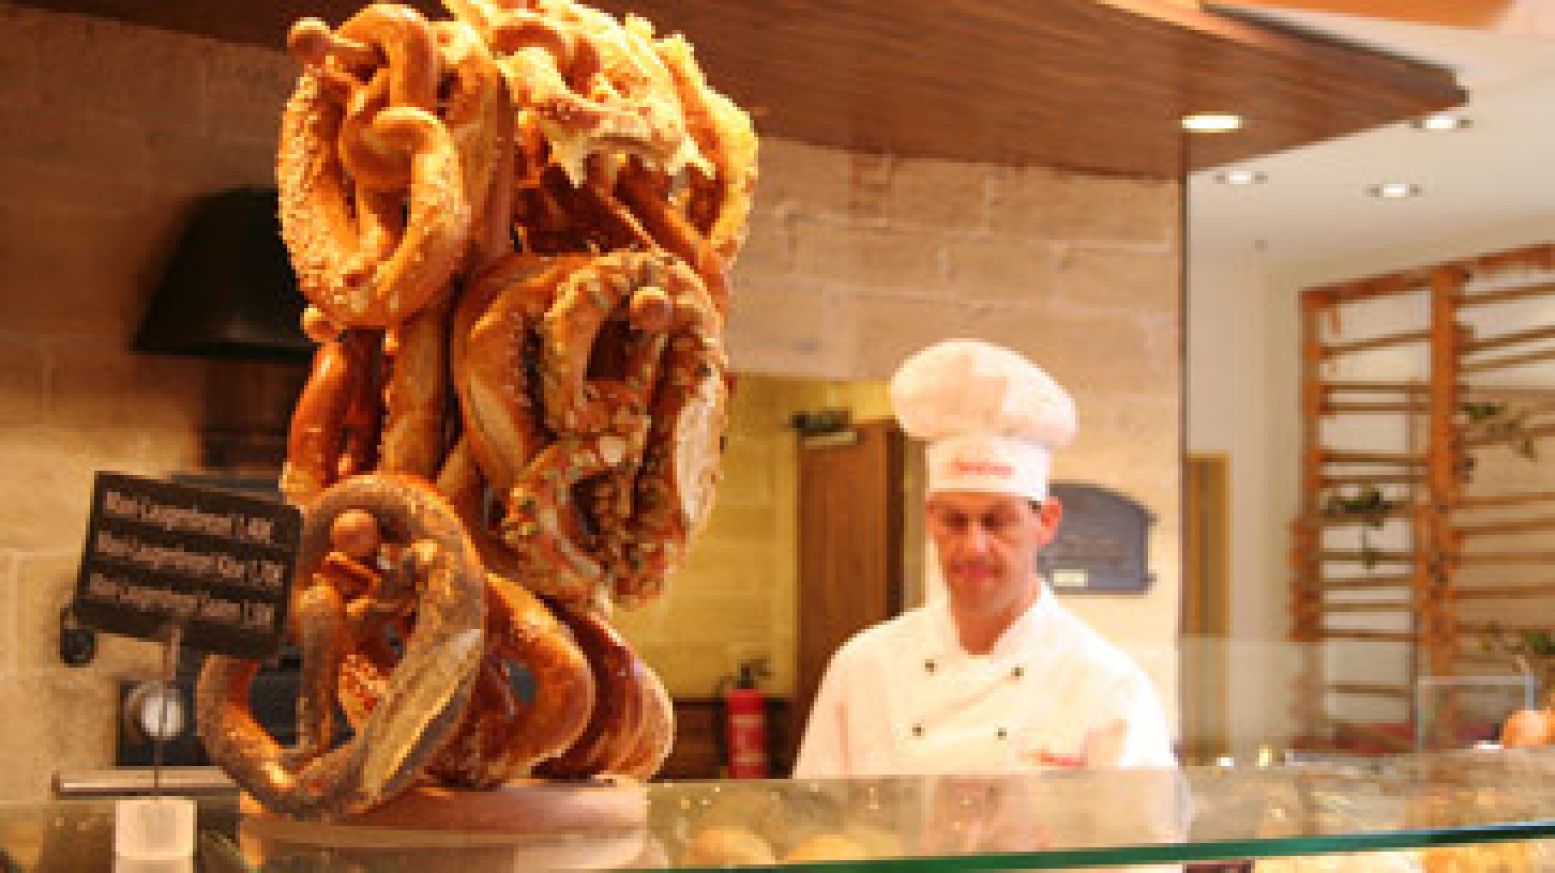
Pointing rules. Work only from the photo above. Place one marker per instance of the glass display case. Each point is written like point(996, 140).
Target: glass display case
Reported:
point(1460, 811)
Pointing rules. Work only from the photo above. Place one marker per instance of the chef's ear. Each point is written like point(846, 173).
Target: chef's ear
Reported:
point(1049, 513)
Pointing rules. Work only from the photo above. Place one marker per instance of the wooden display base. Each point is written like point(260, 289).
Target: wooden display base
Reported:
point(521, 826)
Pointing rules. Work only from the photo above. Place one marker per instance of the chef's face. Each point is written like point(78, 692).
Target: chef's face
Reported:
point(988, 546)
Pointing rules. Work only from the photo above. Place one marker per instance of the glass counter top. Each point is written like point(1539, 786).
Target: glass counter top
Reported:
point(1416, 808)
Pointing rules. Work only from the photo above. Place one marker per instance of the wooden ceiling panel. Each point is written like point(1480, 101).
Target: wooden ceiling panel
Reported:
point(1094, 85)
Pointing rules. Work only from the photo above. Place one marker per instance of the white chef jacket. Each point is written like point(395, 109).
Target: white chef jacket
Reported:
point(903, 698)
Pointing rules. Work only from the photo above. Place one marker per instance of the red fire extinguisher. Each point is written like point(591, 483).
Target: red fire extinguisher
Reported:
point(745, 726)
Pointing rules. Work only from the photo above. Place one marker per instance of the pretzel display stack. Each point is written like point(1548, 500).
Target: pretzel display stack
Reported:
point(513, 229)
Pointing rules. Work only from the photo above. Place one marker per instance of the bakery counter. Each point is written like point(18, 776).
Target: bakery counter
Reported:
point(1468, 811)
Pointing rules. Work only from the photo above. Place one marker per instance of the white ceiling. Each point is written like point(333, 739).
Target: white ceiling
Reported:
point(1314, 206)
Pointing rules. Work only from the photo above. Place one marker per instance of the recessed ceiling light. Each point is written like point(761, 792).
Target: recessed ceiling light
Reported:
point(1442, 121)
point(1394, 190)
point(1241, 177)
point(1211, 122)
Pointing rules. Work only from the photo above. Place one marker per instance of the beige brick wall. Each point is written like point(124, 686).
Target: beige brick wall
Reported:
point(110, 131)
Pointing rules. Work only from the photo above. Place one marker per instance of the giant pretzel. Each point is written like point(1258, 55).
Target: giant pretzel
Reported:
point(513, 229)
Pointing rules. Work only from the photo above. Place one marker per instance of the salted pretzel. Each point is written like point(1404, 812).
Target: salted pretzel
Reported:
point(636, 286)
point(324, 235)
point(362, 425)
point(334, 422)
point(499, 742)
point(680, 470)
point(383, 36)
point(631, 729)
point(503, 735)
point(506, 731)
point(602, 424)
point(477, 110)
point(415, 393)
point(335, 269)
point(495, 321)
point(383, 56)
point(502, 433)
point(371, 163)
point(656, 734)
point(559, 306)
point(461, 480)
point(718, 202)
point(435, 568)
point(592, 84)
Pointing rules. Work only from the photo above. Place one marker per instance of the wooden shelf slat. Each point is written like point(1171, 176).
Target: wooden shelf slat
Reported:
point(1344, 407)
point(1516, 436)
point(1359, 387)
point(1324, 520)
point(1503, 296)
point(1377, 342)
point(1509, 592)
point(1342, 456)
point(1508, 361)
point(1498, 501)
point(1357, 556)
point(1365, 636)
point(1370, 479)
point(1506, 528)
point(1539, 256)
point(1368, 606)
point(1485, 629)
point(1504, 559)
point(1356, 583)
point(1370, 689)
point(1501, 341)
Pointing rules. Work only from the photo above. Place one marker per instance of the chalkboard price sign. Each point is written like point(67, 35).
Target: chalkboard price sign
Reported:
point(217, 564)
point(1102, 543)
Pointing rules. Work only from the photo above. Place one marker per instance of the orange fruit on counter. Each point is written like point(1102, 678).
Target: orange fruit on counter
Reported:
point(1528, 727)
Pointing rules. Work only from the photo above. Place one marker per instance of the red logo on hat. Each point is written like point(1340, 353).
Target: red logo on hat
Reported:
point(965, 467)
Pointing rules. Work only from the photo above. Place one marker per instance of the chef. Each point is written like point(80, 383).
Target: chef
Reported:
point(995, 676)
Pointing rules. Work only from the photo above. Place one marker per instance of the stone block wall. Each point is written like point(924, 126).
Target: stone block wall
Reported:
point(109, 132)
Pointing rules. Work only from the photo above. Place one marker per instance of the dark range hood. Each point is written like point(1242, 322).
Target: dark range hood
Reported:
point(229, 291)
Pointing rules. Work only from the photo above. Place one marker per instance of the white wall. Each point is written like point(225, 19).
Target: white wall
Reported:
point(1233, 345)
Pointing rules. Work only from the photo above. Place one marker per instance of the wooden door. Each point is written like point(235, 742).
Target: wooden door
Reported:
point(850, 543)
point(1206, 609)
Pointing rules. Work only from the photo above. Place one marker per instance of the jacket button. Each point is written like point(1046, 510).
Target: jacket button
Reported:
point(917, 730)
point(1003, 734)
point(1018, 672)
point(928, 665)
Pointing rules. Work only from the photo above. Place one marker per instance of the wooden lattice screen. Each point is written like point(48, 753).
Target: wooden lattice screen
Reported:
point(1408, 563)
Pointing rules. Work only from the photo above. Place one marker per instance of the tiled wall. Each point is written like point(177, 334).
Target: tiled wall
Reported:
point(108, 132)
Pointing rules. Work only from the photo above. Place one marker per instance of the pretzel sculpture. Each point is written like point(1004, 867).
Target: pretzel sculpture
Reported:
point(513, 228)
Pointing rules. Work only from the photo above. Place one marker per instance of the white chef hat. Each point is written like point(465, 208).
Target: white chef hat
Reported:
point(991, 417)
